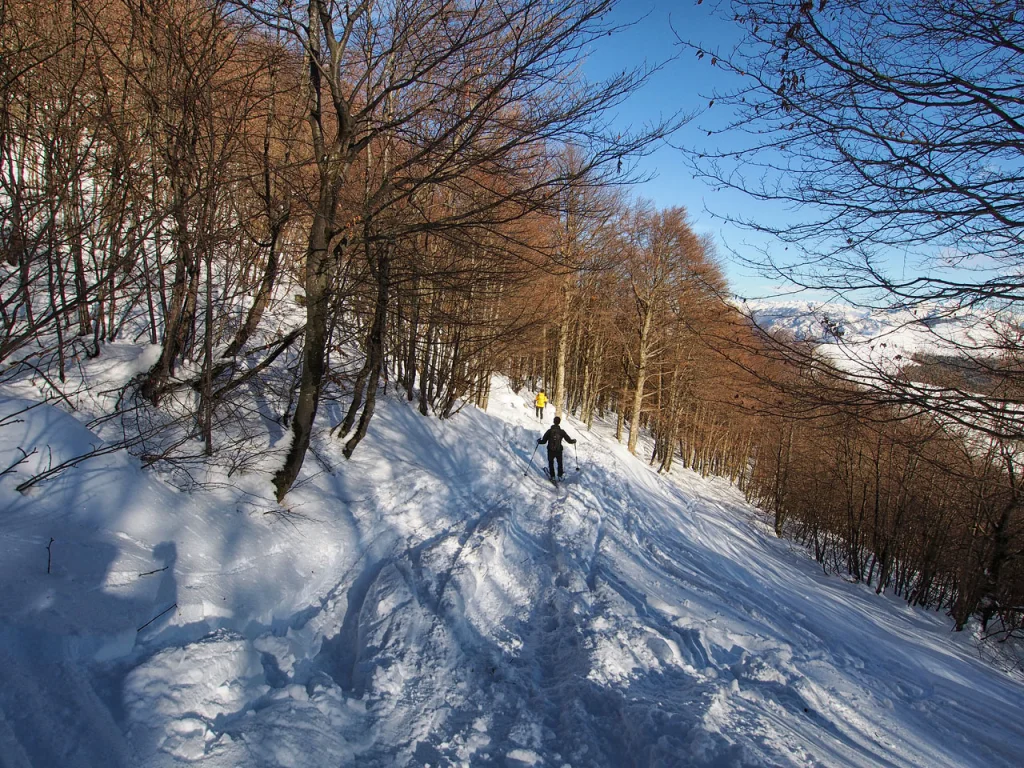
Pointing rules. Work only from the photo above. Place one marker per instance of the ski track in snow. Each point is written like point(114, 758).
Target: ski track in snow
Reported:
point(428, 603)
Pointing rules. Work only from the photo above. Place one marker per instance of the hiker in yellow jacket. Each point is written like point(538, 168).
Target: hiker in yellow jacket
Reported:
point(540, 401)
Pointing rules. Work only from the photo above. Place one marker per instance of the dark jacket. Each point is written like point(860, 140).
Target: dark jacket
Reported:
point(553, 439)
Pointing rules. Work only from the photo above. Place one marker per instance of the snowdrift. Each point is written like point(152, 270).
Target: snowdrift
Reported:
point(433, 602)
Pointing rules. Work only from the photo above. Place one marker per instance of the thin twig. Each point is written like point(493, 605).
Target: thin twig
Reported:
point(156, 617)
point(8, 419)
point(53, 386)
point(23, 459)
point(73, 462)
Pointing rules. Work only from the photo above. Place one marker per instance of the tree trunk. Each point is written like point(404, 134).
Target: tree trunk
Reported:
point(374, 346)
point(314, 348)
point(561, 352)
point(641, 375)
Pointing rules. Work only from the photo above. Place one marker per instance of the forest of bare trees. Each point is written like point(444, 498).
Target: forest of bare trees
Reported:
point(300, 205)
point(893, 129)
point(175, 169)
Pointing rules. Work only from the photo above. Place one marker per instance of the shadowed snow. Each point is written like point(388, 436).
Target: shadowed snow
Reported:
point(430, 602)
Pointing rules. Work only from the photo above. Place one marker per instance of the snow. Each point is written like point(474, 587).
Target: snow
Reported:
point(430, 602)
point(922, 328)
point(877, 339)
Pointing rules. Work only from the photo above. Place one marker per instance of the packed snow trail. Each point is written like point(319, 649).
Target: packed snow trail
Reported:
point(428, 603)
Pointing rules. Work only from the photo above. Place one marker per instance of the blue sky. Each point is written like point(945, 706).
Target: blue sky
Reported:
point(683, 84)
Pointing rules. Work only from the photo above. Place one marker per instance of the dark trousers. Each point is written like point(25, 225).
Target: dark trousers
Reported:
point(552, 456)
point(540, 411)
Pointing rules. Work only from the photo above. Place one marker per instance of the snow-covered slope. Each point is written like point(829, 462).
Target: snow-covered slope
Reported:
point(858, 334)
point(430, 602)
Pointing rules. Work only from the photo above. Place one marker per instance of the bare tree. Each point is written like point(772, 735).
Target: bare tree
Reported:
point(664, 255)
point(483, 85)
point(894, 130)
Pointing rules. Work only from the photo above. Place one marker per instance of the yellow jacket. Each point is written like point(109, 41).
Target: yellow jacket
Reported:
point(541, 400)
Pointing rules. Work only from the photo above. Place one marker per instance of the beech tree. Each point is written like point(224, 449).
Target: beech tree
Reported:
point(583, 244)
point(154, 178)
point(666, 266)
point(893, 130)
point(460, 86)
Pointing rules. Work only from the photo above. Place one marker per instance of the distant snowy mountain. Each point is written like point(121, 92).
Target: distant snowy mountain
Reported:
point(435, 601)
point(858, 336)
point(917, 328)
point(809, 320)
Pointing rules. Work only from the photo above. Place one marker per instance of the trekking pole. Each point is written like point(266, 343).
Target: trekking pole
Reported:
point(530, 465)
point(576, 451)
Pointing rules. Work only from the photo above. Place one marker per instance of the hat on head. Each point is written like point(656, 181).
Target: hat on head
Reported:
point(557, 419)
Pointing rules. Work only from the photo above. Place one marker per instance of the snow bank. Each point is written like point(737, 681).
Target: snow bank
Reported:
point(430, 602)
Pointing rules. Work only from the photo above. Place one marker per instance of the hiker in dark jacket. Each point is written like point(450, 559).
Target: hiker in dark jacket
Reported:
point(553, 439)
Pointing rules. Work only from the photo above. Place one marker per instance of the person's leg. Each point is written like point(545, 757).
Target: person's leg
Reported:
point(561, 471)
point(551, 464)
